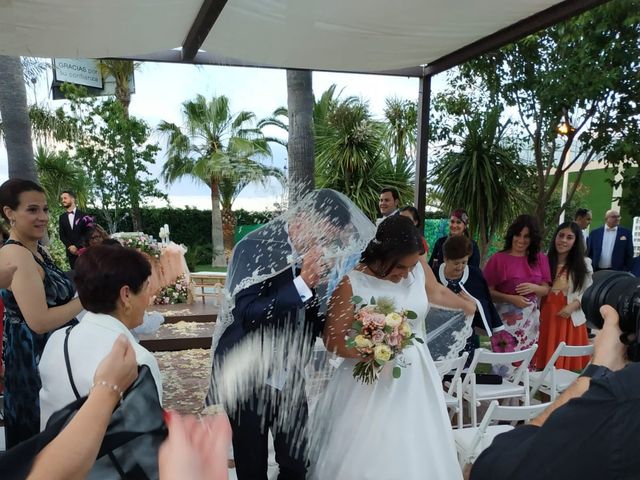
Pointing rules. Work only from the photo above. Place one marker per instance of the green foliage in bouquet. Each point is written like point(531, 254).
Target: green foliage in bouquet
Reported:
point(178, 292)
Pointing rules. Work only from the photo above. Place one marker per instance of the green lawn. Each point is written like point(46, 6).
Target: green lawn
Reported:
point(209, 268)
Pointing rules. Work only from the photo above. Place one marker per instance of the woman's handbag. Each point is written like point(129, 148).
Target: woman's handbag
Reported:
point(130, 446)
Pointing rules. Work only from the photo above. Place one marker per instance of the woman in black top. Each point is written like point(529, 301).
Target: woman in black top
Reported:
point(39, 301)
point(457, 226)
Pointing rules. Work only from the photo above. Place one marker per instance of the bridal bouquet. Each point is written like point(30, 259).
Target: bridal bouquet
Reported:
point(380, 333)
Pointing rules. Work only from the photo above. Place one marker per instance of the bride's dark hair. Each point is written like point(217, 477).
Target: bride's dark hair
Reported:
point(395, 238)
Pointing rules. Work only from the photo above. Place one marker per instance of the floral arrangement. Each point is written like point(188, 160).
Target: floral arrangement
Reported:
point(380, 333)
point(140, 242)
point(177, 292)
point(86, 222)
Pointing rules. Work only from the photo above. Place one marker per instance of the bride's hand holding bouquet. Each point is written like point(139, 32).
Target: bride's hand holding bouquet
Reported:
point(380, 333)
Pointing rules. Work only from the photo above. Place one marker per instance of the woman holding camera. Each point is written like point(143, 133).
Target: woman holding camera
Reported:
point(561, 317)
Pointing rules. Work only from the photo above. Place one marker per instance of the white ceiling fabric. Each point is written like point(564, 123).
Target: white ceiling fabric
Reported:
point(339, 35)
point(93, 28)
point(358, 35)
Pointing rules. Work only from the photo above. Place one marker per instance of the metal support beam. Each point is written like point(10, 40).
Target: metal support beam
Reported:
point(200, 28)
point(546, 18)
point(424, 109)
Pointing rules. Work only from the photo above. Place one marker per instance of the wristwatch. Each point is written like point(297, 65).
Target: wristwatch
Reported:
point(595, 371)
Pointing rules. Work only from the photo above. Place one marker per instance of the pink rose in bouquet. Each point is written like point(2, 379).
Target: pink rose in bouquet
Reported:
point(380, 333)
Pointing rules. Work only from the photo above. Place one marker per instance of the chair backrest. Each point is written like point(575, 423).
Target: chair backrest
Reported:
point(450, 365)
point(517, 414)
point(496, 412)
point(495, 358)
point(454, 365)
point(563, 350)
point(574, 351)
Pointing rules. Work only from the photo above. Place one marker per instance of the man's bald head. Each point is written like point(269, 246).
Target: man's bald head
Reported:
point(612, 218)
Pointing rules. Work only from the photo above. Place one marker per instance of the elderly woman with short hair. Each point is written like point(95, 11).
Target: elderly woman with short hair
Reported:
point(113, 285)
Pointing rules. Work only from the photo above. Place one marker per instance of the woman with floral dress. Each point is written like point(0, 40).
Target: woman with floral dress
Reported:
point(518, 277)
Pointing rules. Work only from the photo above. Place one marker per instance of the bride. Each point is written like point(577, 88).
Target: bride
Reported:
point(394, 428)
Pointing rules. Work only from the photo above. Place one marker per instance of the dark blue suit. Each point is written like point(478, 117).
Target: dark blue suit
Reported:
point(636, 267)
point(622, 256)
point(273, 303)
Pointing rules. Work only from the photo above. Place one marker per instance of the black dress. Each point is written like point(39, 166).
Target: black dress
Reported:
point(22, 348)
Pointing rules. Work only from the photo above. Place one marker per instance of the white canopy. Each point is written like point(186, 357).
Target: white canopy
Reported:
point(339, 35)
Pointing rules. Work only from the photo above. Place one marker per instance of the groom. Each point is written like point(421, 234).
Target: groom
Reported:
point(284, 306)
point(69, 226)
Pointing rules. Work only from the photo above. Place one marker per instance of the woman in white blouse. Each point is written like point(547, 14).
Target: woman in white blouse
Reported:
point(113, 285)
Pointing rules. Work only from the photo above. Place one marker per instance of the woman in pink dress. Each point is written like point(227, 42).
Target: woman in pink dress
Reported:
point(518, 277)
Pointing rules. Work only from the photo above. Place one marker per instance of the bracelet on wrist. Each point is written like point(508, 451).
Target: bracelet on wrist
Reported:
point(114, 388)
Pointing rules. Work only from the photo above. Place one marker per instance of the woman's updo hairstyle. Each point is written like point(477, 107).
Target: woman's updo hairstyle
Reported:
point(395, 238)
point(10, 193)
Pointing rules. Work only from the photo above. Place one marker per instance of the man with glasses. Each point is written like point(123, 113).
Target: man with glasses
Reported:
point(610, 247)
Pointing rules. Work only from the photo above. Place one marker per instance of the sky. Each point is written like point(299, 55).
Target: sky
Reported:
point(161, 88)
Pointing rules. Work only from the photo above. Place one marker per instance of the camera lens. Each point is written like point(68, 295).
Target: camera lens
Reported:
point(620, 290)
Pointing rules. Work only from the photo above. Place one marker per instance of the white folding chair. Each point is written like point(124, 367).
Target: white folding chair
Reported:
point(474, 393)
point(453, 388)
point(552, 380)
point(471, 441)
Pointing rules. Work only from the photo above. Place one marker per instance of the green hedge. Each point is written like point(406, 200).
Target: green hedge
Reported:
point(187, 225)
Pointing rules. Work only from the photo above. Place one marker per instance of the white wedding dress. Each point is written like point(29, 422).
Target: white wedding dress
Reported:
point(394, 429)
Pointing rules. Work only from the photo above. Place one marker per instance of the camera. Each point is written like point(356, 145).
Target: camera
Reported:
point(620, 290)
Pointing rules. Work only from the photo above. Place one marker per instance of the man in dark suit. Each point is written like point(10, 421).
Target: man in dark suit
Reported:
point(279, 314)
point(610, 247)
point(583, 219)
point(70, 227)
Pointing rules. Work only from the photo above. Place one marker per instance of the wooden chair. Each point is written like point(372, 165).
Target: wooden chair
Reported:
point(208, 284)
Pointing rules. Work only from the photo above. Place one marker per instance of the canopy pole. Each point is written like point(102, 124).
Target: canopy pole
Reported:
point(424, 109)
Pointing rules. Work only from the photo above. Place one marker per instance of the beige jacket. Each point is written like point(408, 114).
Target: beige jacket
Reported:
point(577, 317)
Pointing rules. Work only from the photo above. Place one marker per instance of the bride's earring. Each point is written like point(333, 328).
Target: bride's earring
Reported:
point(12, 222)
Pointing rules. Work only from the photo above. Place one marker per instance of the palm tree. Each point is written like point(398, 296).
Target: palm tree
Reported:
point(57, 172)
point(121, 71)
point(213, 145)
point(401, 129)
point(483, 174)
point(230, 188)
point(15, 119)
point(351, 154)
point(301, 135)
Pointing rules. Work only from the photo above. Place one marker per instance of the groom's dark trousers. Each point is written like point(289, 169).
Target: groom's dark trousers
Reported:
point(273, 304)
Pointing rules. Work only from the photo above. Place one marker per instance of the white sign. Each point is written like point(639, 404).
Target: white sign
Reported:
point(81, 71)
